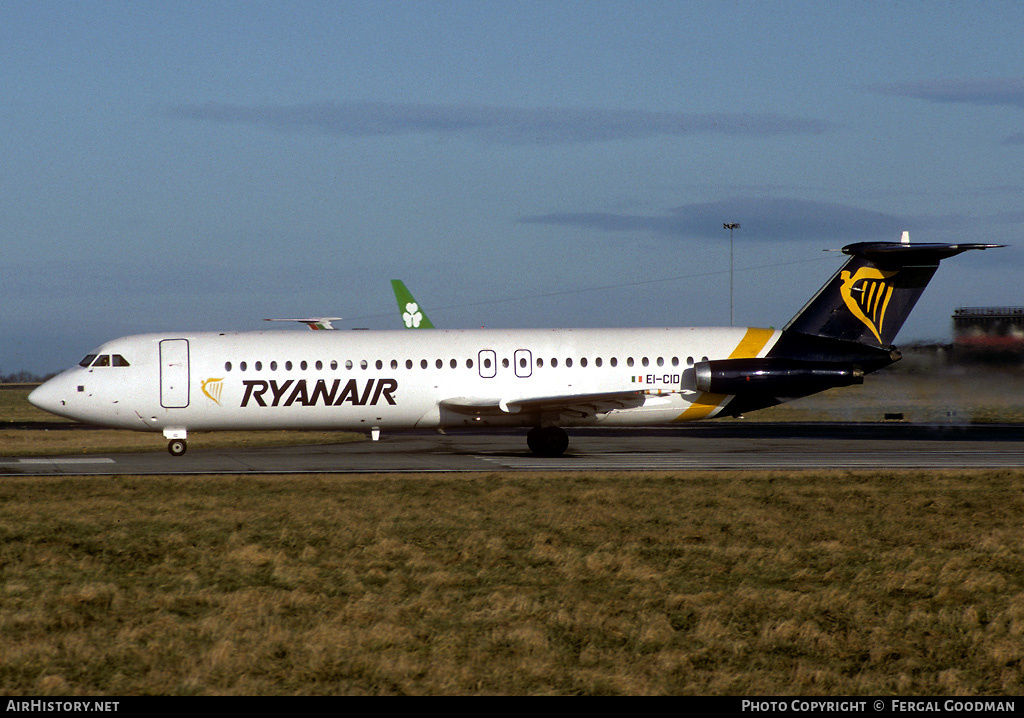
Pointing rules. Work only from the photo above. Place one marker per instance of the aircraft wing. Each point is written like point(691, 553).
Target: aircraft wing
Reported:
point(582, 404)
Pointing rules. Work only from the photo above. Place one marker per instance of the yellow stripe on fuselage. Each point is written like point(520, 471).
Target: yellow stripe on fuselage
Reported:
point(750, 346)
point(752, 343)
point(701, 407)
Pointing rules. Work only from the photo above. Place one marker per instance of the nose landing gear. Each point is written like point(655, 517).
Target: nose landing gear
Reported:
point(176, 441)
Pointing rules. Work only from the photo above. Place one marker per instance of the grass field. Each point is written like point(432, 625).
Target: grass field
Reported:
point(763, 583)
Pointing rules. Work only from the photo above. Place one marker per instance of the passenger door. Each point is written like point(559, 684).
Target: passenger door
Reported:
point(174, 378)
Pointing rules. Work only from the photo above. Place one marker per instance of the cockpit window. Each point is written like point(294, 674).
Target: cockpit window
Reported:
point(104, 360)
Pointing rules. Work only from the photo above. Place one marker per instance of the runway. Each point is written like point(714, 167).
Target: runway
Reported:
point(716, 447)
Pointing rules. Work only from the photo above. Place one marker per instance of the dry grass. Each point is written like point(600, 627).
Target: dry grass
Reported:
point(760, 583)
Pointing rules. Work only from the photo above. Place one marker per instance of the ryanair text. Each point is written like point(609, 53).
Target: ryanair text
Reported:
point(292, 391)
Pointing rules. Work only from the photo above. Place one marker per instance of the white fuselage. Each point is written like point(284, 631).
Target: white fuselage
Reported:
point(395, 380)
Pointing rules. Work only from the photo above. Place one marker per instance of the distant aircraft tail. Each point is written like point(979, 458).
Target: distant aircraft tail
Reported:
point(412, 313)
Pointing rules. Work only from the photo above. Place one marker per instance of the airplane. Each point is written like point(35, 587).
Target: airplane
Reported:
point(540, 379)
point(314, 323)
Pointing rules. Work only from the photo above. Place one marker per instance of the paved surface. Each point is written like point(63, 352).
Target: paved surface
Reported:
point(732, 446)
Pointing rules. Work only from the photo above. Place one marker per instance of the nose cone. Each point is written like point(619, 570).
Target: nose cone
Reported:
point(50, 396)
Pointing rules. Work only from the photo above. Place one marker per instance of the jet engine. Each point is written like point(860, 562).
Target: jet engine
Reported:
point(773, 376)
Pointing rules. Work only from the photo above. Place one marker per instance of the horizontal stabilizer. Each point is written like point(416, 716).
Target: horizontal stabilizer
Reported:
point(904, 254)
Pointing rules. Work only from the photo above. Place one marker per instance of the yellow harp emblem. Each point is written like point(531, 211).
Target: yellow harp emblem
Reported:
point(866, 294)
point(213, 388)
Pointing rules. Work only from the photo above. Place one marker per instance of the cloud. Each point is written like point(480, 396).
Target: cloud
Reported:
point(974, 91)
point(498, 125)
point(760, 219)
point(985, 92)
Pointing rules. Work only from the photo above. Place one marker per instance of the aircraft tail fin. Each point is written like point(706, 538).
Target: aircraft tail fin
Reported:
point(412, 313)
point(843, 333)
point(870, 297)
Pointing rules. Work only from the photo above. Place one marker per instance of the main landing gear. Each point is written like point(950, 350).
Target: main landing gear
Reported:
point(177, 447)
point(547, 440)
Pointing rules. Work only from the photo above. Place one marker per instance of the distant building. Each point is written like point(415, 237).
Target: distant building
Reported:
point(991, 334)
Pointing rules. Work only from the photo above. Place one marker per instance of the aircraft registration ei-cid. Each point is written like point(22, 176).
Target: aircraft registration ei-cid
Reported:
point(541, 379)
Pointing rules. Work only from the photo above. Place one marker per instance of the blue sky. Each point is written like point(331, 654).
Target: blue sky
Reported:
point(176, 166)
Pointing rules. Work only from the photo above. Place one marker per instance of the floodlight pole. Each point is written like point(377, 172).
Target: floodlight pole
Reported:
point(730, 226)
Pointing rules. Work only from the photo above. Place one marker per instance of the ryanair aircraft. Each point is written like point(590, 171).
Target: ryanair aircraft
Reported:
point(541, 379)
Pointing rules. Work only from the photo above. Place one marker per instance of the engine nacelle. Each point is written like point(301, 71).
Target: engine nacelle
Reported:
point(773, 376)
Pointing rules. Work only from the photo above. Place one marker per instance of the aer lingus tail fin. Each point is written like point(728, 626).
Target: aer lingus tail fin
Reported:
point(412, 313)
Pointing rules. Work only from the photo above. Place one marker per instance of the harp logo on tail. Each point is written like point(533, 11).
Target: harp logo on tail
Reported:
point(866, 294)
